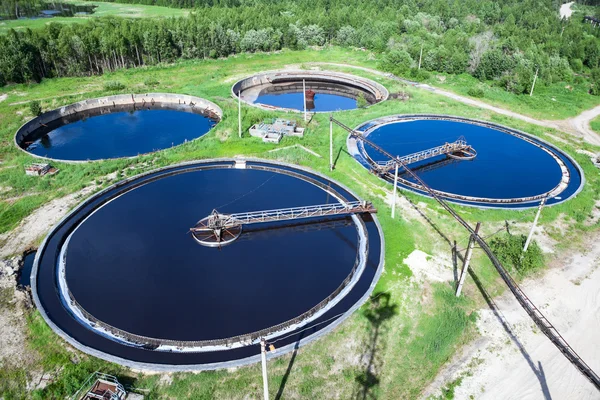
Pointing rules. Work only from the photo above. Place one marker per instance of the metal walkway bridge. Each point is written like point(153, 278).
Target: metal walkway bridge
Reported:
point(459, 146)
point(219, 229)
point(534, 313)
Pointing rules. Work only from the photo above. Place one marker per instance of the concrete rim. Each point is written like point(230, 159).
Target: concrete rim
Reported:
point(152, 367)
point(336, 77)
point(385, 120)
point(63, 110)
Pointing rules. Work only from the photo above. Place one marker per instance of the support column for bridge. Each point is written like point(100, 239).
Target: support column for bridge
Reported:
point(465, 269)
point(263, 356)
point(240, 113)
point(330, 142)
point(537, 216)
point(304, 96)
point(395, 189)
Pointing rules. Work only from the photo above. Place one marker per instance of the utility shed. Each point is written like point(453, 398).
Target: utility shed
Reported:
point(272, 131)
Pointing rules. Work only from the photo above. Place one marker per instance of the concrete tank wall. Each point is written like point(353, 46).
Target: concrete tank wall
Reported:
point(271, 77)
point(199, 105)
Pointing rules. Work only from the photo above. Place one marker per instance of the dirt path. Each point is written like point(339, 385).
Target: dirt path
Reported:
point(581, 124)
point(578, 126)
point(36, 225)
point(514, 360)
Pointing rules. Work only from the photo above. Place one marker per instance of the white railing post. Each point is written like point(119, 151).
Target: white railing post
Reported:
point(330, 142)
point(537, 216)
point(394, 193)
point(304, 96)
point(463, 274)
point(263, 356)
point(240, 114)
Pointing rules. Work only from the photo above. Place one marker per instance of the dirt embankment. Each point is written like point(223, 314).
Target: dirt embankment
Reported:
point(513, 359)
point(35, 226)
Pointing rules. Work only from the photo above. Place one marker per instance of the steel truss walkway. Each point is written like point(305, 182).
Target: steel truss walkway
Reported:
point(534, 313)
point(219, 229)
point(460, 145)
point(227, 221)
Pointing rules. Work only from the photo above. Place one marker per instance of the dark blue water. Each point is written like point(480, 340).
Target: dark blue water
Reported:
point(505, 166)
point(117, 134)
point(25, 275)
point(51, 304)
point(322, 101)
point(133, 265)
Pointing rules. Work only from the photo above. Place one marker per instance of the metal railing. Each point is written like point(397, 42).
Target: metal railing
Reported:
point(224, 221)
point(118, 394)
point(446, 148)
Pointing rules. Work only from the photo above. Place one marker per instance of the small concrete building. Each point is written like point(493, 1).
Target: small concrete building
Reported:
point(272, 131)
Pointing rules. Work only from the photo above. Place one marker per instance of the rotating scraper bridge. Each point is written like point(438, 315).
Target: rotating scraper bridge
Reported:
point(534, 313)
point(218, 229)
point(455, 150)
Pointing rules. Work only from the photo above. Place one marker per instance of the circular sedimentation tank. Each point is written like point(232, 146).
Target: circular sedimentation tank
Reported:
point(122, 277)
point(117, 126)
point(504, 167)
point(326, 91)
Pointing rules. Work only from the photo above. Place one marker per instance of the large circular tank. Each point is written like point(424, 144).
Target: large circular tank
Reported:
point(325, 91)
point(507, 168)
point(117, 126)
point(123, 278)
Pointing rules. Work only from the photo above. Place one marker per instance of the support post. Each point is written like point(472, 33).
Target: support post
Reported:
point(330, 142)
point(537, 216)
point(240, 114)
point(394, 195)
point(421, 56)
point(304, 96)
point(263, 355)
point(465, 268)
point(534, 79)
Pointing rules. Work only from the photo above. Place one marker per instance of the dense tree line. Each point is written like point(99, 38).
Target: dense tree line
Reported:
point(501, 41)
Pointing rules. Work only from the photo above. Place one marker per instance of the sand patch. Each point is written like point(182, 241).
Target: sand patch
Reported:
point(429, 268)
point(35, 226)
point(513, 359)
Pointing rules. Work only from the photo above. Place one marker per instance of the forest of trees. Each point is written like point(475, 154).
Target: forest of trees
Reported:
point(503, 41)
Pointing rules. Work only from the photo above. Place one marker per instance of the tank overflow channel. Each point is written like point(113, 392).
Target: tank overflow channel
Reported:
point(217, 230)
point(534, 313)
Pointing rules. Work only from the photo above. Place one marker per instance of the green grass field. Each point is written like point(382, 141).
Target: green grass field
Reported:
point(557, 101)
point(595, 124)
point(418, 328)
point(103, 10)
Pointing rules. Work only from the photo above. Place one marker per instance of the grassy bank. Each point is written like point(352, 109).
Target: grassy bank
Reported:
point(595, 124)
point(103, 9)
point(549, 102)
point(394, 345)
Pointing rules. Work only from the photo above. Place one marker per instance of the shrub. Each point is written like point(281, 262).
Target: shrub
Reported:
point(475, 91)
point(151, 82)
point(113, 86)
point(396, 61)
point(419, 74)
point(576, 64)
point(361, 101)
point(509, 250)
point(595, 82)
point(35, 107)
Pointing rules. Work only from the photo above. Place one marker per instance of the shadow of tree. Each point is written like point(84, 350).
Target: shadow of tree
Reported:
point(380, 310)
